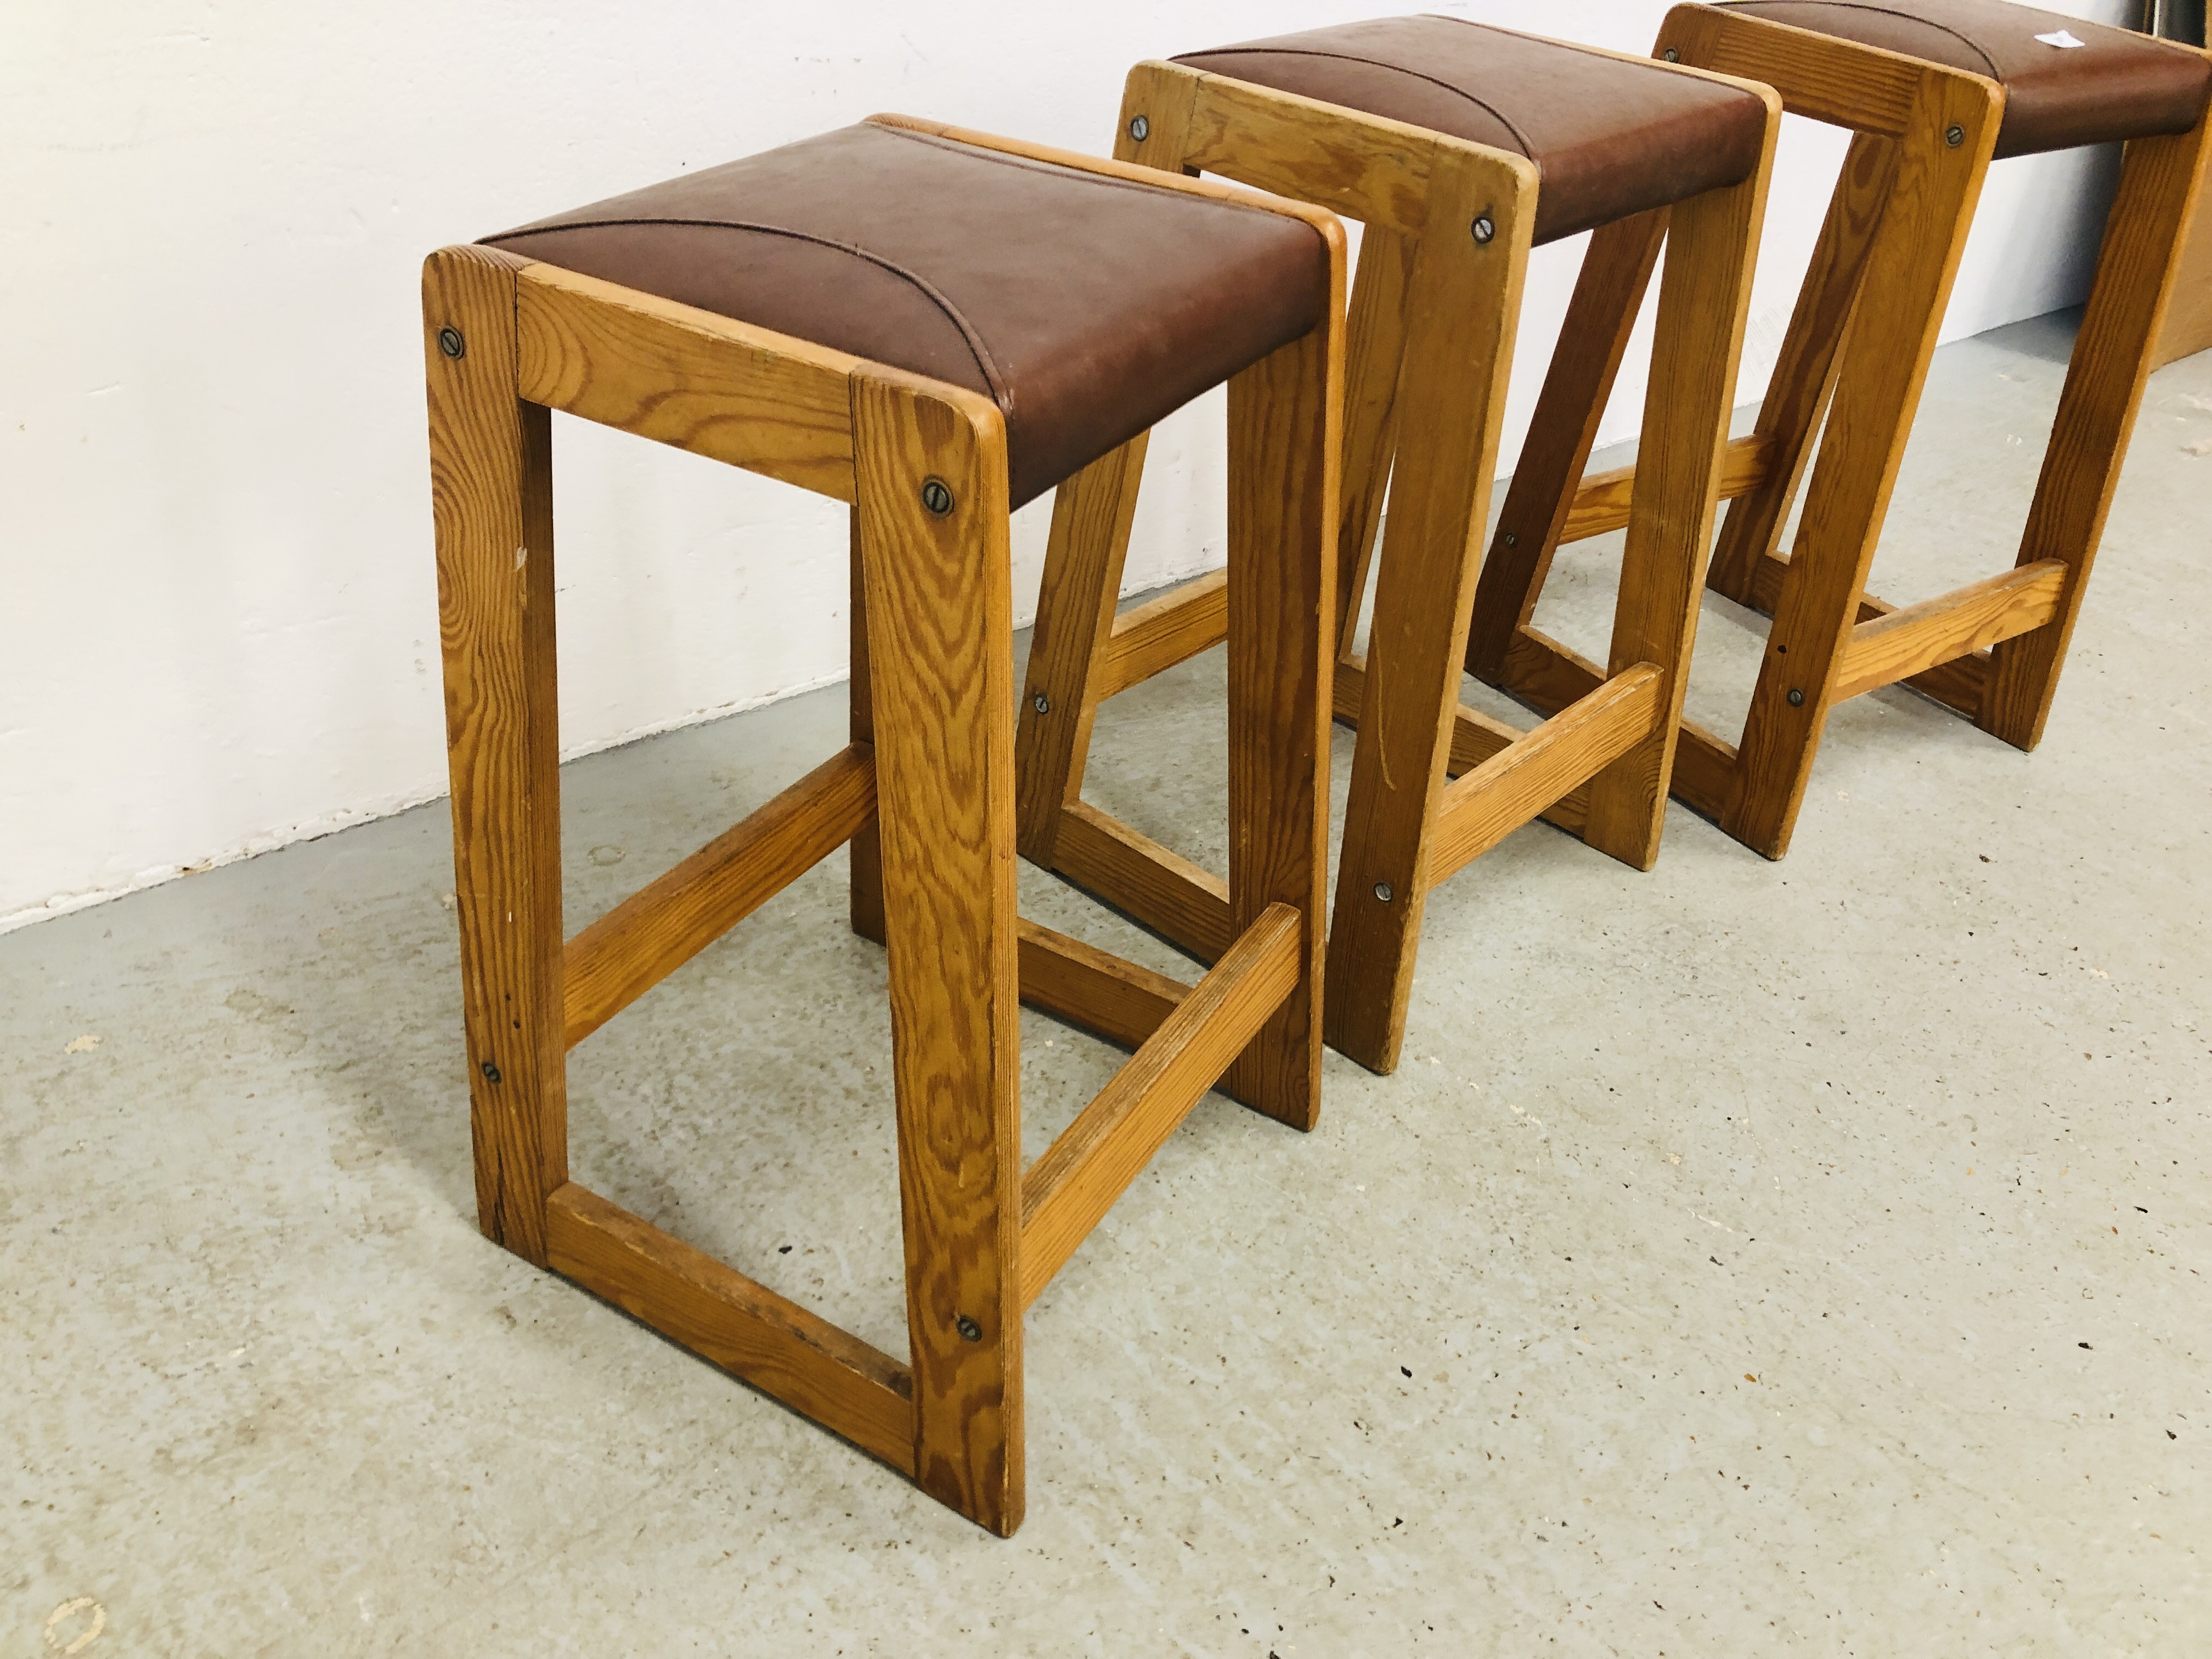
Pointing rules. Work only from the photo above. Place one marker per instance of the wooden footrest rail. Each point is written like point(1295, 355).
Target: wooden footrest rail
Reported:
point(1166, 630)
point(1153, 885)
point(1601, 499)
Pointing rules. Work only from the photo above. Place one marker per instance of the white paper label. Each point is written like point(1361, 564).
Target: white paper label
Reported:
point(2063, 39)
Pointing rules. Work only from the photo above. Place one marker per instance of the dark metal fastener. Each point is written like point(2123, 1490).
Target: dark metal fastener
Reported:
point(1512, 540)
point(451, 342)
point(937, 496)
point(969, 1329)
point(491, 1072)
point(1484, 230)
point(1797, 698)
point(1954, 136)
point(1671, 55)
point(1139, 128)
point(1042, 703)
point(1383, 892)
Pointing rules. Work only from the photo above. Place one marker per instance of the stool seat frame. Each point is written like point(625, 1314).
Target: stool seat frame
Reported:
point(924, 795)
point(1435, 307)
point(1855, 357)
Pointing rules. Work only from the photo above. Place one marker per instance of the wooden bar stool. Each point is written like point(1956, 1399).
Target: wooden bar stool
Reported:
point(934, 326)
point(1459, 146)
point(1931, 95)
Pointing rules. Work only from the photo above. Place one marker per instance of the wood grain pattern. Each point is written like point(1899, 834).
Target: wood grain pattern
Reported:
point(1093, 989)
point(939, 658)
point(1156, 636)
point(1370, 169)
point(1601, 501)
point(866, 905)
point(1909, 274)
point(1153, 885)
point(1508, 789)
point(747, 1328)
point(1704, 298)
point(1091, 514)
point(1957, 684)
point(2114, 351)
point(1804, 378)
point(1284, 434)
point(744, 395)
point(2188, 328)
point(1546, 488)
point(1463, 311)
point(1863, 88)
point(1068, 1191)
point(491, 492)
point(655, 931)
point(1921, 637)
point(1373, 347)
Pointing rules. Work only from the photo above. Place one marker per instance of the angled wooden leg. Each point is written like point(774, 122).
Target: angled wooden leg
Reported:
point(1465, 304)
point(866, 848)
point(1091, 517)
point(1283, 438)
point(1804, 378)
point(1712, 250)
point(1908, 282)
point(2113, 355)
point(491, 484)
point(940, 641)
point(1374, 345)
point(1601, 317)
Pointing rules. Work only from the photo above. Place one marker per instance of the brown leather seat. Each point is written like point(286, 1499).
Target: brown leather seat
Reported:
point(1610, 136)
point(2114, 85)
point(1086, 307)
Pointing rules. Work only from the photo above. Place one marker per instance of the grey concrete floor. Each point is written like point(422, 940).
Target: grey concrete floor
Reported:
point(1747, 1258)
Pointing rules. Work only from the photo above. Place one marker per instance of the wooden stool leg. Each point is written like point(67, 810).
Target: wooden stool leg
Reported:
point(1601, 317)
point(491, 481)
point(1704, 300)
point(1892, 336)
point(2113, 355)
point(1373, 347)
point(1804, 378)
point(940, 642)
point(1466, 303)
point(1091, 517)
point(865, 849)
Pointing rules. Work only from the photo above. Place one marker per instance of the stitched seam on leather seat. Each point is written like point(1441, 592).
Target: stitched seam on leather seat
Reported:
point(1079, 175)
point(1000, 393)
point(1520, 137)
point(1631, 63)
point(1966, 41)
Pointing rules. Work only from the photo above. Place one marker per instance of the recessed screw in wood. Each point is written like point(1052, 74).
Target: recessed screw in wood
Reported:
point(451, 342)
point(1671, 55)
point(1042, 703)
point(1511, 540)
point(1797, 698)
point(491, 1072)
point(1383, 892)
point(1139, 128)
point(937, 496)
point(969, 1329)
point(1484, 229)
point(1954, 136)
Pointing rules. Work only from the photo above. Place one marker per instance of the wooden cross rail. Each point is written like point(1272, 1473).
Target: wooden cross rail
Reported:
point(1066, 1193)
point(1513, 785)
point(1154, 885)
point(1601, 499)
point(1919, 637)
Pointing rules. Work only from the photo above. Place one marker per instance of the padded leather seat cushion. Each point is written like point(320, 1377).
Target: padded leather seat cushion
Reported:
point(1610, 136)
point(1086, 308)
point(2114, 85)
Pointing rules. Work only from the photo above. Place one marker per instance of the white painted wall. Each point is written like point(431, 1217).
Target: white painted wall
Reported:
point(217, 626)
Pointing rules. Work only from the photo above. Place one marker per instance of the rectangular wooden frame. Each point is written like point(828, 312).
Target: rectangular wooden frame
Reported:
point(1430, 343)
point(924, 794)
point(1857, 356)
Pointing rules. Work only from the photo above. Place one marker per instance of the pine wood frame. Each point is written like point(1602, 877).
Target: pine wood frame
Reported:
point(925, 795)
point(1856, 354)
point(1434, 308)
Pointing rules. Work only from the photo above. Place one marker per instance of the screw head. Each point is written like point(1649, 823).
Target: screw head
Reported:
point(1671, 55)
point(1797, 698)
point(451, 342)
point(491, 1072)
point(1954, 136)
point(1484, 229)
point(1042, 703)
point(1383, 892)
point(1511, 540)
point(1139, 128)
point(969, 1329)
point(937, 496)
